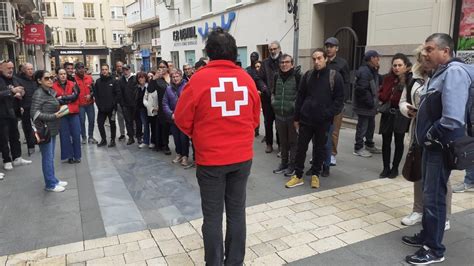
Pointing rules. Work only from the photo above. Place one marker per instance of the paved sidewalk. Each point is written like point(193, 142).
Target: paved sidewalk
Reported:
point(278, 232)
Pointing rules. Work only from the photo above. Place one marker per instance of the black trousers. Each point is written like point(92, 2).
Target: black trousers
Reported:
point(288, 141)
point(306, 134)
point(27, 129)
point(101, 116)
point(139, 123)
point(163, 132)
point(129, 114)
point(268, 118)
point(9, 139)
point(387, 149)
point(219, 186)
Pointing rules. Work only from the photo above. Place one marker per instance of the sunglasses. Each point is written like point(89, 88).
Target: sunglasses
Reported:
point(47, 78)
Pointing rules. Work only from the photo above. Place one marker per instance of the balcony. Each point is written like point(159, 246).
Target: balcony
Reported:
point(133, 15)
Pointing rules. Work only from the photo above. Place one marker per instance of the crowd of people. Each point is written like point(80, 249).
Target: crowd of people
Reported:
point(305, 107)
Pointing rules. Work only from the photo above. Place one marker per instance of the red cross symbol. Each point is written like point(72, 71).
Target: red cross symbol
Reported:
point(229, 96)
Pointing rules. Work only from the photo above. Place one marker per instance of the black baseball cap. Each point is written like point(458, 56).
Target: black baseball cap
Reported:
point(369, 54)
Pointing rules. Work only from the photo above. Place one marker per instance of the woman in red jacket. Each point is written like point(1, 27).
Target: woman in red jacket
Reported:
point(393, 123)
point(70, 130)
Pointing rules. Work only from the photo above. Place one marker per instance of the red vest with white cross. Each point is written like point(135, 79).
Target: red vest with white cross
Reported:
point(219, 109)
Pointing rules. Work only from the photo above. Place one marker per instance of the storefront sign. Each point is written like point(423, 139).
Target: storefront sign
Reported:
point(204, 31)
point(193, 42)
point(184, 34)
point(34, 34)
point(465, 45)
point(68, 52)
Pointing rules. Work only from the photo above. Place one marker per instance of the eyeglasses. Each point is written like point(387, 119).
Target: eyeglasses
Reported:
point(47, 78)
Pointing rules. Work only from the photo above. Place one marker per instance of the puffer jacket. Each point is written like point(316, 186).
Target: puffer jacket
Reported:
point(284, 93)
point(171, 98)
point(44, 105)
point(365, 91)
point(69, 94)
point(85, 85)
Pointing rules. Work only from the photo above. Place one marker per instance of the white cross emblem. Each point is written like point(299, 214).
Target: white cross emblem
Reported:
point(237, 97)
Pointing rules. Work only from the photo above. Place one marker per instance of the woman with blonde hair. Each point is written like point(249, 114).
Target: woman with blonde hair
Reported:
point(409, 103)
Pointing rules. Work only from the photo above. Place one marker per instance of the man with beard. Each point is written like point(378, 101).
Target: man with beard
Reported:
point(69, 71)
point(270, 67)
point(10, 96)
point(25, 79)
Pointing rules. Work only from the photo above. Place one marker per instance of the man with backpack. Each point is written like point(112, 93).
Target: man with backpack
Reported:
point(441, 119)
point(320, 97)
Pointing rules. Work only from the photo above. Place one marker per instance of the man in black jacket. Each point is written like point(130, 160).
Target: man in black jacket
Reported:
point(121, 121)
point(128, 100)
point(270, 67)
point(252, 71)
point(106, 94)
point(366, 89)
point(320, 98)
point(10, 96)
point(25, 79)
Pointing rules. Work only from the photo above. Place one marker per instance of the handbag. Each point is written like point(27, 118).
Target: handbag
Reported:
point(460, 153)
point(412, 168)
point(41, 132)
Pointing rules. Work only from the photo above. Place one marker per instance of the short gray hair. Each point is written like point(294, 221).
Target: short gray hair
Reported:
point(442, 40)
point(275, 42)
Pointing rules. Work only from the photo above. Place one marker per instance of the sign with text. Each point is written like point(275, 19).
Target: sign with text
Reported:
point(184, 34)
point(34, 34)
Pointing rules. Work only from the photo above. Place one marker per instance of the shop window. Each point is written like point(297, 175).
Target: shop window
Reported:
point(70, 35)
point(68, 10)
point(116, 12)
point(190, 57)
point(49, 9)
point(242, 56)
point(90, 36)
point(88, 10)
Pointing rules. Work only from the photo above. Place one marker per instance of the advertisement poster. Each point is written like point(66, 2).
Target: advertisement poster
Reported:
point(465, 47)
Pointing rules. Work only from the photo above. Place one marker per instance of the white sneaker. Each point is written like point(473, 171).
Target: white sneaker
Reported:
point(20, 161)
point(362, 153)
point(56, 189)
point(412, 219)
point(151, 146)
point(143, 145)
point(447, 226)
point(178, 159)
point(62, 183)
point(333, 160)
point(2, 175)
point(8, 166)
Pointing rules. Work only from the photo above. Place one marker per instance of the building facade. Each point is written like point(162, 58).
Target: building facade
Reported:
point(185, 24)
point(90, 31)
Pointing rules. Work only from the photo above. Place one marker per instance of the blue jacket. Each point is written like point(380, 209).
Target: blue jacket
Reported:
point(170, 98)
point(442, 113)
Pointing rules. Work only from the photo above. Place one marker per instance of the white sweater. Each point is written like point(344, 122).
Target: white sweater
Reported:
point(150, 100)
point(416, 92)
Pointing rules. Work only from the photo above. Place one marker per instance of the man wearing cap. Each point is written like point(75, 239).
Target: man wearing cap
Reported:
point(128, 99)
point(365, 104)
point(86, 103)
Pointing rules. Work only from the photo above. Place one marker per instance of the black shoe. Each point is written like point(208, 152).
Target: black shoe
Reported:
point(130, 141)
point(31, 151)
point(290, 171)
point(385, 173)
point(139, 140)
point(325, 172)
point(166, 150)
point(413, 241)
point(281, 169)
point(122, 137)
point(112, 143)
point(77, 160)
point(423, 256)
point(102, 143)
point(70, 161)
point(393, 173)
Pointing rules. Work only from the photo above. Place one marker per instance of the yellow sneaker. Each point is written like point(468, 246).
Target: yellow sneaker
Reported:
point(314, 181)
point(294, 182)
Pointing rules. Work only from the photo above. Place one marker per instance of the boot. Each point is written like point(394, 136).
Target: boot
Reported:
point(102, 143)
point(112, 143)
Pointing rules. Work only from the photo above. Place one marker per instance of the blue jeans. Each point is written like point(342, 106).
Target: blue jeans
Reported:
point(469, 178)
point(70, 137)
point(47, 163)
point(146, 126)
point(90, 112)
point(435, 175)
point(181, 141)
point(327, 162)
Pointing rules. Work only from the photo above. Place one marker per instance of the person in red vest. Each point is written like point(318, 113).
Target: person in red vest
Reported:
point(67, 92)
point(219, 109)
point(86, 103)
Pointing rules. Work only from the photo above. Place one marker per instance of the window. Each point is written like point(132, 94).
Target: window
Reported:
point(175, 58)
point(208, 5)
point(56, 40)
point(70, 35)
point(242, 56)
point(90, 36)
point(49, 9)
point(7, 17)
point(190, 57)
point(116, 12)
point(88, 10)
point(103, 36)
point(187, 9)
point(100, 8)
point(118, 36)
point(68, 10)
